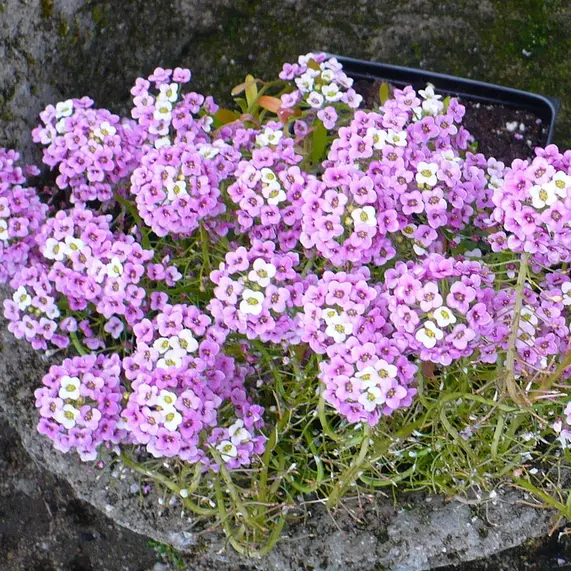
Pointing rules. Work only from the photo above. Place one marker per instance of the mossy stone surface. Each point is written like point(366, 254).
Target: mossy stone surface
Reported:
point(70, 48)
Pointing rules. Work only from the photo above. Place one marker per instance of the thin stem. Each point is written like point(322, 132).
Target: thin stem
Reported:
point(157, 477)
point(555, 376)
point(351, 474)
point(233, 492)
point(509, 371)
point(323, 419)
point(132, 210)
point(77, 344)
point(205, 255)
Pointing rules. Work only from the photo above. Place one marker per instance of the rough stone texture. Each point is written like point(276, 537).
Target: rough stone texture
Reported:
point(44, 527)
point(51, 49)
point(54, 49)
point(423, 533)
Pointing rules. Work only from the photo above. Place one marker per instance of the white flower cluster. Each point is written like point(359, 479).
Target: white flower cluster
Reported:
point(548, 193)
point(23, 300)
point(67, 414)
point(431, 104)
point(339, 326)
point(324, 85)
point(269, 137)
point(63, 109)
point(271, 188)
point(371, 379)
point(59, 250)
point(238, 435)
point(174, 349)
point(261, 274)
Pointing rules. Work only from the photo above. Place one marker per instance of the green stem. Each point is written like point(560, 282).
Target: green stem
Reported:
point(233, 492)
point(132, 210)
point(497, 435)
point(270, 446)
point(548, 499)
point(245, 550)
point(554, 377)
point(205, 254)
point(466, 396)
point(77, 344)
point(509, 370)
point(269, 360)
point(376, 483)
point(157, 477)
point(351, 474)
point(324, 422)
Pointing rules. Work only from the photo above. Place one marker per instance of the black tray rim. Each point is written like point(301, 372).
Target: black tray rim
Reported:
point(468, 88)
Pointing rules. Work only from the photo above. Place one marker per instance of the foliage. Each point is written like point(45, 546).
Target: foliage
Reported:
point(272, 306)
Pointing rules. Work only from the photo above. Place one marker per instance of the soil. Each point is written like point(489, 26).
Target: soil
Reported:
point(504, 133)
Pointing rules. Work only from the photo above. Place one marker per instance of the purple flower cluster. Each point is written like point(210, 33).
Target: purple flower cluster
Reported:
point(307, 213)
point(533, 209)
point(21, 214)
point(396, 172)
point(257, 291)
point(365, 373)
point(169, 114)
point(334, 307)
point(93, 149)
point(33, 313)
point(320, 83)
point(367, 376)
point(80, 403)
point(177, 183)
point(342, 220)
point(180, 380)
point(268, 188)
point(441, 308)
point(92, 268)
point(177, 186)
point(543, 329)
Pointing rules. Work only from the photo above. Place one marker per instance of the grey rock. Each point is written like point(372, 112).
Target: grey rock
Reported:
point(52, 50)
point(43, 525)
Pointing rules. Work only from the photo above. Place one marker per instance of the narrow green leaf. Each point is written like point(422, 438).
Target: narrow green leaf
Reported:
point(251, 90)
point(242, 103)
point(384, 92)
point(318, 143)
point(446, 103)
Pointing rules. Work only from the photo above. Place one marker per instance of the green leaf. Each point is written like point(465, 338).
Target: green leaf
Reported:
point(318, 143)
point(312, 64)
point(251, 91)
point(446, 103)
point(242, 103)
point(224, 116)
point(384, 92)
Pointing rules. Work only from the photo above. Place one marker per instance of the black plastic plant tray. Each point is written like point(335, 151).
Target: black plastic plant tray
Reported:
point(546, 108)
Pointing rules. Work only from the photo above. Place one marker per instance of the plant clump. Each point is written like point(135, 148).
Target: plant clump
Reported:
point(273, 305)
